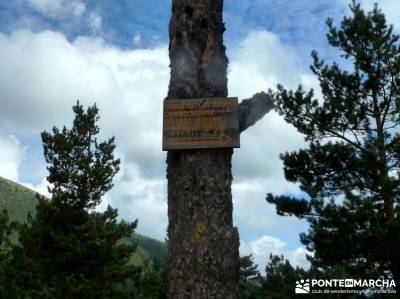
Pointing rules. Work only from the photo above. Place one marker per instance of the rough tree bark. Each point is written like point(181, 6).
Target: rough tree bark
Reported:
point(203, 245)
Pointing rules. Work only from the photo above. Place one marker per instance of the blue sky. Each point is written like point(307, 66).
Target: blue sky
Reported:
point(115, 53)
point(300, 23)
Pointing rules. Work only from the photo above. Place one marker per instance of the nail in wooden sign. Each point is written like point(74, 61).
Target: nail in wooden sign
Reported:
point(201, 123)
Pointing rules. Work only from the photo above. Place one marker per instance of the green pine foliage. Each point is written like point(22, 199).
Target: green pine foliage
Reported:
point(351, 168)
point(281, 278)
point(249, 277)
point(8, 286)
point(248, 270)
point(20, 201)
point(70, 250)
point(279, 281)
point(151, 282)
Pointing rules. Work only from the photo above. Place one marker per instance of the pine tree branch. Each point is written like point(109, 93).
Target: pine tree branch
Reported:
point(253, 109)
point(343, 137)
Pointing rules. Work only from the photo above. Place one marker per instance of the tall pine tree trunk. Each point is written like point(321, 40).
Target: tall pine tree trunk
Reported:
point(203, 257)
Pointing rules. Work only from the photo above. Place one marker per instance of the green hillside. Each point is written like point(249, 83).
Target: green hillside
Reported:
point(19, 201)
point(153, 248)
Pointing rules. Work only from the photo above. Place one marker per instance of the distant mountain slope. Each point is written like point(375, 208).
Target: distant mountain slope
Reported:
point(19, 201)
point(156, 249)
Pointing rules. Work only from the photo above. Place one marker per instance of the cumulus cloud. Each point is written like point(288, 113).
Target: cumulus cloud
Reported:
point(251, 209)
point(262, 61)
point(262, 247)
point(59, 8)
point(11, 155)
point(128, 87)
point(256, 219)
point(266, 244)
point(141, 198)
point(41, 188)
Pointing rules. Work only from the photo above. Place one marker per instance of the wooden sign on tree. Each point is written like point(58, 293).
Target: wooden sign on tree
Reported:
point(201, 123)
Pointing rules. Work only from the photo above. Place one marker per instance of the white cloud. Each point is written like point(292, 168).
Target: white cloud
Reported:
point(59, 8)
point(298, 257)
point(142, 199)
point(41, 188)
point(11, 154)
point(261, 146)
point(255, 218)
point(250, 208)
point(128, 87)
point(262, 247)
point(95, 21)
point(55, 73)
point(267, 244)
point(261, 62)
